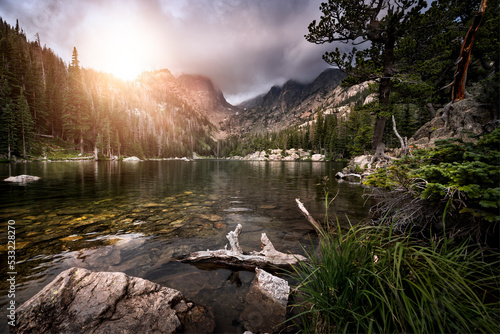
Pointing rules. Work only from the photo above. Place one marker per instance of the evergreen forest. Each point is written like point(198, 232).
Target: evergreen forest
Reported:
point(42, 96)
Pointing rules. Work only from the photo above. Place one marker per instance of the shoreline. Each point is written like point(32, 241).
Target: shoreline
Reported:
point(269, 155)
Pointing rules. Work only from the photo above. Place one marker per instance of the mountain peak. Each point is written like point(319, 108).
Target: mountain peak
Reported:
point(281, 106)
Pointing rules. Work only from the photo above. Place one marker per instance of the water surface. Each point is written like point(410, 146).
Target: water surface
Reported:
point(139, 217)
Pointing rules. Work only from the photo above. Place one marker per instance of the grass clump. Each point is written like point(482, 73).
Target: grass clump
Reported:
point(367, 279)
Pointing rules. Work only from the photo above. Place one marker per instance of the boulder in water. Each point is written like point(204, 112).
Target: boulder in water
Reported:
point(266, 301)
point(22, 178)
point(82, 301)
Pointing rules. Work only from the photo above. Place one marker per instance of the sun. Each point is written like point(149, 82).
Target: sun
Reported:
point(121, 47)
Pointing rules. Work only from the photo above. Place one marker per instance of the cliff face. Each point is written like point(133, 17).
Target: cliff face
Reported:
point(287, 105)
point(207, 98)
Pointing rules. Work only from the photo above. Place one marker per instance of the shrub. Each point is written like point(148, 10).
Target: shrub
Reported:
point(455, 186)
point(367, 279)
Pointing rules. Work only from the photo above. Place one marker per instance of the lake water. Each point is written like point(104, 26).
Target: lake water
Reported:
point(139, 217)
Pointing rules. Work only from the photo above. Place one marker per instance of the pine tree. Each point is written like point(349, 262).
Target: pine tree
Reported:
point(318, 131)
point(8, 126)
point(76, 111)
point(381, 23)
point(35, 90)
point(25, 123)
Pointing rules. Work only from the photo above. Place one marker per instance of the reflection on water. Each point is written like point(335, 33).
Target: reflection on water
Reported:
point(137, 217)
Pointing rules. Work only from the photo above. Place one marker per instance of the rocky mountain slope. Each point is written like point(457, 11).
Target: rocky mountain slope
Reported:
point(209, 99)
point(292, 103)
point(197, 92)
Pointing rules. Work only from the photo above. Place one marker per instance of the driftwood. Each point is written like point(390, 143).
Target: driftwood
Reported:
point(308, 216)
point(351, 177)
point(234, 257)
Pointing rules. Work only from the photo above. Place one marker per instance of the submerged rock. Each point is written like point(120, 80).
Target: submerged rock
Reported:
point(266, 301)
point(22, 178)
point(81, 301)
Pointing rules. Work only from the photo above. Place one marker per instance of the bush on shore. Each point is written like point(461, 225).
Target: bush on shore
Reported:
point(368, 279)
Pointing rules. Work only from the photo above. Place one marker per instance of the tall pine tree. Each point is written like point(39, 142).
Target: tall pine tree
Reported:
point(25, 124)
point(8, 126)
point(76, 110)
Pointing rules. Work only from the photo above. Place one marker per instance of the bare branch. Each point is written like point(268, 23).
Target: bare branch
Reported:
point(308, 216)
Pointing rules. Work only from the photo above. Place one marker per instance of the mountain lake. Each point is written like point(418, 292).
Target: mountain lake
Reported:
point(138, 217)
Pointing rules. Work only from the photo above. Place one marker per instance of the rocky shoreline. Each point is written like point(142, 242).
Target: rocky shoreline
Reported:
point(269, 155)
point(281, 155)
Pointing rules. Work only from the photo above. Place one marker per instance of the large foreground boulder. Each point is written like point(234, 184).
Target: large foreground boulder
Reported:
point(81, 301)
point(266, 302)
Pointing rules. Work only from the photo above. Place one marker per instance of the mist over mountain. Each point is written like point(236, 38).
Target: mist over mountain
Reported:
point(209, 99)
point(285, 105)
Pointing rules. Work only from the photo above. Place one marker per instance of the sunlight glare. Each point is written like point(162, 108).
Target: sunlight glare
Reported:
point(121, 47)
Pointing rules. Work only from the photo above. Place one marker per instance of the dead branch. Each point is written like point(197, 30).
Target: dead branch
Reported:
point(404, 142)
point(308, 216)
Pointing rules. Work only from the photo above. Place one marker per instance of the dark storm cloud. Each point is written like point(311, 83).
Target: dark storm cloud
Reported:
point(244, 46)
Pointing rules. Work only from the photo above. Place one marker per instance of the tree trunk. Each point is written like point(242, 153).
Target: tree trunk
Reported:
point(23, 137)
point(379, 155)
point(9, 151)
point(25, 156)
point(403, 142)
point(384, 90)
point(81, 142)
point(458, 86)
point(378, 132)
point(432, 111)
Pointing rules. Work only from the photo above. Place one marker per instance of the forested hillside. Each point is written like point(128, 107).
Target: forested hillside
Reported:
point(42, 96)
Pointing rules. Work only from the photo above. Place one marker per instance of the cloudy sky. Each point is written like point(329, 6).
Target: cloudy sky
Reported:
point(244, 46)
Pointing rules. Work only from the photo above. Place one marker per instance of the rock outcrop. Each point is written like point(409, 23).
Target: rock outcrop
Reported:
point(265, 303)
point(81, 301)
point(455, 120)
